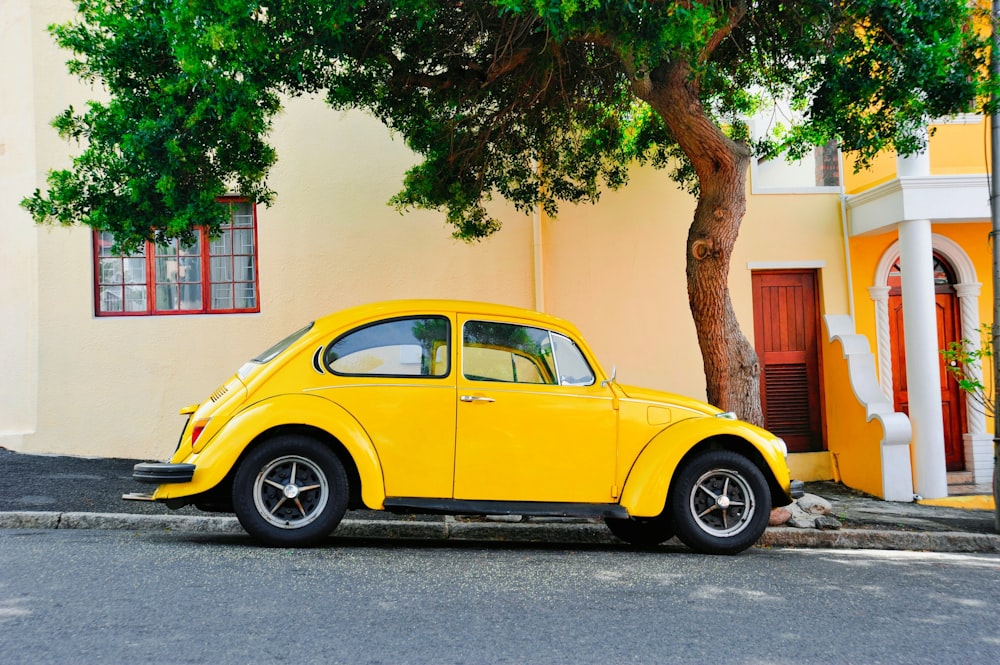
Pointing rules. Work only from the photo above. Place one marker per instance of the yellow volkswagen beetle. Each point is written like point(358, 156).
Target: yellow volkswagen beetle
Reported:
point(466, 408)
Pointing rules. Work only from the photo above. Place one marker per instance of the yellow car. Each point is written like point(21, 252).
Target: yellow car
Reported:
point(429, 406)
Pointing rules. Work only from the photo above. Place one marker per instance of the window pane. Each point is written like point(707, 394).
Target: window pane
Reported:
point(111, 299)
point(189, 269)
point(194, 249)
point(111, 271)
point(573, 367)
point(168, 249)
point(105, 241)
point(243, 242)
point(243, 268)
point(243, 214)
point(190, 296)
point(406, 347)
point(223, 244)
point(222, 269)
point(506, 352)
point(246, 296)
point(167, 298)
point(135, 298)
point(222, 296)
point(135, 270)
point(166, 270)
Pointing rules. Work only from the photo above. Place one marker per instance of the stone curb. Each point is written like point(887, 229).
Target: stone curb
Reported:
point(550, 532)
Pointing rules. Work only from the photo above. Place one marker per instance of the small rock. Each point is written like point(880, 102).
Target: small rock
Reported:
point(815, 505)
point(800, 518)
point(827, 523)
point(779, 516)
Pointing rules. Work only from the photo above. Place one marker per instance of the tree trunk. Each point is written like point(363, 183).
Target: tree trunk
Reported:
point(732, 370)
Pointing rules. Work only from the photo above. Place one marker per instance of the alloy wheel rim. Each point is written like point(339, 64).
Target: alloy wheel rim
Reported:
point(722, 503)
point(291, 492)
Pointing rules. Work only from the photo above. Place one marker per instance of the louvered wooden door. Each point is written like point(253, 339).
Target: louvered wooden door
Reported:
point(785, 312)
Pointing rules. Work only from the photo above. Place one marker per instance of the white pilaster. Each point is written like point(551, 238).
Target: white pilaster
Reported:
point(880, 295)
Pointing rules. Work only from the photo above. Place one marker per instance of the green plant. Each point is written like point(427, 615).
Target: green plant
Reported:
point(969, 361)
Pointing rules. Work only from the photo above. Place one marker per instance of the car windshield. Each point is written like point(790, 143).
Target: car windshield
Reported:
point(273, 352)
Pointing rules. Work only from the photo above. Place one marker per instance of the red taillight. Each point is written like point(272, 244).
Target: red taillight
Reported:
point(197, 428)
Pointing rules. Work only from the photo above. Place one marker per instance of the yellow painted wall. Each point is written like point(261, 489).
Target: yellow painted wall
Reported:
point(960, 148)
point(854, 443)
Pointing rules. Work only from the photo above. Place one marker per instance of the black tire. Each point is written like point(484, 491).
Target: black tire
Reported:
point(290, 491)
point(720, 503)
point(642, 531)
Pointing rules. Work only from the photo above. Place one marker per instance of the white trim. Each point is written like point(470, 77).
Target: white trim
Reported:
point(785, 265)
point(940, 198)
point(959, 119)
point(894, 447)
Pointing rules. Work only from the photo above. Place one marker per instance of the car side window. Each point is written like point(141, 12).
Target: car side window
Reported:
point(399, 347)
point(571, 364)
point(506, 352)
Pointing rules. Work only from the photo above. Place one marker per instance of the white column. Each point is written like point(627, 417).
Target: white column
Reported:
point(922, 364)
point(923, 382)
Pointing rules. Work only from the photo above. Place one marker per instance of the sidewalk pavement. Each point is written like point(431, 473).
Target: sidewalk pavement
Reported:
point(57, 492)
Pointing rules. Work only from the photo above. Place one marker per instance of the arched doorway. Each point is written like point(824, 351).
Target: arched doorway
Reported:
point(949, 330)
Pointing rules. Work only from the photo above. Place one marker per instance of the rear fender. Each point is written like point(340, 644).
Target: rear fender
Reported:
point(218, 458)
point(645, 491)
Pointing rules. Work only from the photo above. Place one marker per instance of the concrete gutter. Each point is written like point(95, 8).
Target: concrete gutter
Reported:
point(546, 532)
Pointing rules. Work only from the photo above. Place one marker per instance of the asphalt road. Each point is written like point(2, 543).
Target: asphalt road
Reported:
point(144, 597)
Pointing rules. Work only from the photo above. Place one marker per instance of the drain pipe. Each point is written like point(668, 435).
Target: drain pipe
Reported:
point(995, 240)
point(847, 243)
point(538, 258)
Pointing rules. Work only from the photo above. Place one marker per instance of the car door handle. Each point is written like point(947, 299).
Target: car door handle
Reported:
point(476, 398)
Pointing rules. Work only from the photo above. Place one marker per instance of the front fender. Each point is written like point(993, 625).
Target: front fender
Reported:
point(216, 459)
point(645, 491)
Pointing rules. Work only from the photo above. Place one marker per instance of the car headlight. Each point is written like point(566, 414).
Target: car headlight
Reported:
point(782, 446)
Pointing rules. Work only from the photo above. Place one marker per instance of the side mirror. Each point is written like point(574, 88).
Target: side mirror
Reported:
point(614, 373)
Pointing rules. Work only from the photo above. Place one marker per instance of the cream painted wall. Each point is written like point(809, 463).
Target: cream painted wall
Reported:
point(617, 270)
point(18, 268)
point(112, 386)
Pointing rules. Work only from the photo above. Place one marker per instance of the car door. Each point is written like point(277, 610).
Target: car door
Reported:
point(534, 423)
point(396, 377)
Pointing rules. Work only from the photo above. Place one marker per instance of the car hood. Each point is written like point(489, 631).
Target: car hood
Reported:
point(668, 399)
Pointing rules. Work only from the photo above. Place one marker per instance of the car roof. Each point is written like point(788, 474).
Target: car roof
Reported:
point(406, 307)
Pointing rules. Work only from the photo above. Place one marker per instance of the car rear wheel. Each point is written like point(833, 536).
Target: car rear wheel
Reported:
point(720, 503)
point(290, 491)
point(642, 531)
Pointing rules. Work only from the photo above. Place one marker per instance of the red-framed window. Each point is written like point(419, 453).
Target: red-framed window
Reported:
point(208, 276)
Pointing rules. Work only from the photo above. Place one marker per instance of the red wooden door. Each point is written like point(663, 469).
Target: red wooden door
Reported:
point(948, 330)
point(785, 314)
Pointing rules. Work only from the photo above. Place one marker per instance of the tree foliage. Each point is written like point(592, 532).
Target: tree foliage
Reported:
point(531, 100)
point(535, 101)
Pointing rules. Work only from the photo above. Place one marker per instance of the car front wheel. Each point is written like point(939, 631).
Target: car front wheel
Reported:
point(290, 491)
point(720, 503)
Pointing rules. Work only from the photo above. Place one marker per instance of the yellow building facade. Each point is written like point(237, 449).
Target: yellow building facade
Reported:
point(807, 280)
